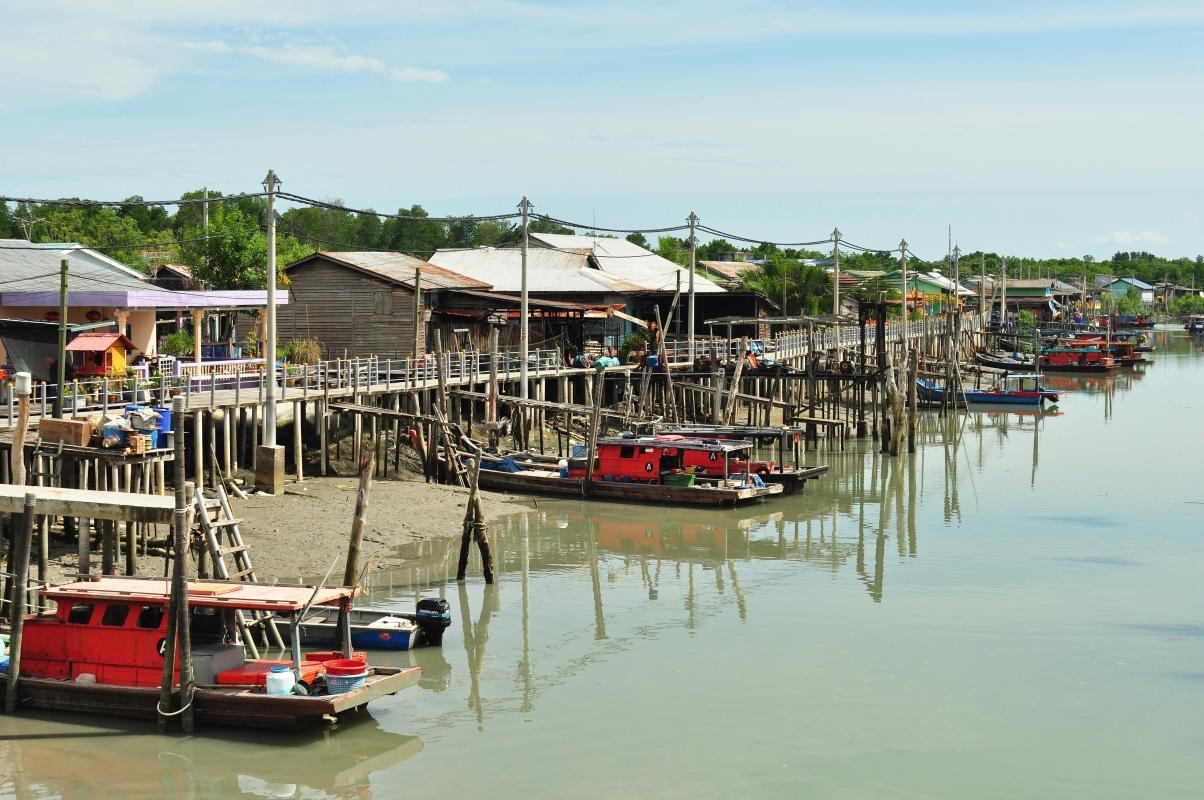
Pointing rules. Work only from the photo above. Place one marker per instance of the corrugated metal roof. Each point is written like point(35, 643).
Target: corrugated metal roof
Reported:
point(30, 267)
point(733, 270)
point(97, 341)
point(399, 268)
point(548, 270)
point(630, 262)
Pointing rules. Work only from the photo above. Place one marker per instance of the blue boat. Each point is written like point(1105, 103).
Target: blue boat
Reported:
point(371, 628)
point(1012, 390)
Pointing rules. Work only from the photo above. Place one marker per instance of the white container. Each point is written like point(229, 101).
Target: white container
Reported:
point(281, 680)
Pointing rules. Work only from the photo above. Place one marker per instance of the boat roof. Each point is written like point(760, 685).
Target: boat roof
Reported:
point(202, 594)
point(680, 442)
point(741, 431)
point(1012, 375)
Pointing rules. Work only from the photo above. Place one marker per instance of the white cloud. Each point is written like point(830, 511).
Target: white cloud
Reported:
point(416, 75)
point(322, 58)
point(1125, 237)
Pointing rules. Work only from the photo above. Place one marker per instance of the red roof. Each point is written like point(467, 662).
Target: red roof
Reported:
point(97, 341)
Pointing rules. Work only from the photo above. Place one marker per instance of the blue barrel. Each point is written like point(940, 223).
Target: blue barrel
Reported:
point(164, 417)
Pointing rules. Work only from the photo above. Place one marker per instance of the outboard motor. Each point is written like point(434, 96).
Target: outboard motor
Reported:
point(433, 618)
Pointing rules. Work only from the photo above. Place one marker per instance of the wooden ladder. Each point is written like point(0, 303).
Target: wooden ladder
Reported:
point(222, 539)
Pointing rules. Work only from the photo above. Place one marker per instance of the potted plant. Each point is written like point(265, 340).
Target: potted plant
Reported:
point(74, 396)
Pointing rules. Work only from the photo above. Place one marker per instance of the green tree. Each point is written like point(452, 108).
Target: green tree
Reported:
point(796, 288)
point(639, 240)
point(674, 249)
point(419, 237)
point(544, 226)
point(234, 256)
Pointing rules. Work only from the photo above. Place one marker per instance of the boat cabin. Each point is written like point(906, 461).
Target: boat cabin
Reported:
point(669, 459)
point(114, 629)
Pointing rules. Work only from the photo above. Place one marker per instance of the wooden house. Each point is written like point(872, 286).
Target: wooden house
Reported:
point(362, 303)
point(98, 354)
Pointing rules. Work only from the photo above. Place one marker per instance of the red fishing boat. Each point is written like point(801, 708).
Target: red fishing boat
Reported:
point(102, 652)
point(1124, 350)
point(1076, 357)
point(662, 469)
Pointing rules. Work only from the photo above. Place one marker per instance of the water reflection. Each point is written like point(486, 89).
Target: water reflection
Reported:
point(44, 757)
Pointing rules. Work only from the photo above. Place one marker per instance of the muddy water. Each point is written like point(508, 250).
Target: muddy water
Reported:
point(1017, 611)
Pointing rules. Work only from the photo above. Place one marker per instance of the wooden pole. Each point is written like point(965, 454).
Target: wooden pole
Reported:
point(592, 443)
point(169, 642)
point(730, 411)
point(22, 547)
point(913, 373)
point(351, 571)
point(298, 447)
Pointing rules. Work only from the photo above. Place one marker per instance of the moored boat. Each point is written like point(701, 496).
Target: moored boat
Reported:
point(1194, 324)
point(662, 469)
point(102, 652)
point(1022, 390)
point(379, 628)
point(1076, 358)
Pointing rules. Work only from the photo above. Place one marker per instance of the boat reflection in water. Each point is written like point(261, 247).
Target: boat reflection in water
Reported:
point(47, 758)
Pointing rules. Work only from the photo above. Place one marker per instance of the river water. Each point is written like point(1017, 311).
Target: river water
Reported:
point(1014, 612)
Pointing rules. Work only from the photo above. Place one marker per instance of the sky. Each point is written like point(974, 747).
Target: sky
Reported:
point(1038, 128)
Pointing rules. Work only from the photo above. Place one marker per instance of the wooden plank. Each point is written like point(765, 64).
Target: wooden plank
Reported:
point(59, 502)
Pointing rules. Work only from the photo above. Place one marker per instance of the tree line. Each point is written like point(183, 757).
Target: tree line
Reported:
point(231, 252)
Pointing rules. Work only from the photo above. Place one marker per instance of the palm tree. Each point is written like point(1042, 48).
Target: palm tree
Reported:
point(797, 288)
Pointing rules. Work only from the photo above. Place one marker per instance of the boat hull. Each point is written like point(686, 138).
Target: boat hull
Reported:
point(617, 490)
point(931, 393)
point(233, 706)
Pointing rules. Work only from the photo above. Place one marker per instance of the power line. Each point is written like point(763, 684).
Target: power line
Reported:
point(732, 236)
point(584, 227)
point(296, 198)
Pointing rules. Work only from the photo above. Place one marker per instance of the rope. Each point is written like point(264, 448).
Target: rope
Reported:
point(185, 707)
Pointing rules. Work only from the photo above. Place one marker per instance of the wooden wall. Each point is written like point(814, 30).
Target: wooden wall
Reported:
point(349, 312)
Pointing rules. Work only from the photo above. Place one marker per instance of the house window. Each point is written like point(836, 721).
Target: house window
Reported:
point(626, 452)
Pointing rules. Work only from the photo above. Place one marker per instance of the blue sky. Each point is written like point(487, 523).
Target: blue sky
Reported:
point(1038, 128)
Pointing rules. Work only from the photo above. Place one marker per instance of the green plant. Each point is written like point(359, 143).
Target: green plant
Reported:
point(632, 341)
point(302, 351)
point(1187, 305)
point(177, 343)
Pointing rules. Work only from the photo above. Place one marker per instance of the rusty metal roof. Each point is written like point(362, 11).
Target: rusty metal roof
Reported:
point(397, 268)
point(549, 270)
point(626, 261)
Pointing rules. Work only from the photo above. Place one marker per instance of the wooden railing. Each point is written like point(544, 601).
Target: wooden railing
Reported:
point(244, 381)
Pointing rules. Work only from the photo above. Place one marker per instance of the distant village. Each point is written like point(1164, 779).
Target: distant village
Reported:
point(589, 295)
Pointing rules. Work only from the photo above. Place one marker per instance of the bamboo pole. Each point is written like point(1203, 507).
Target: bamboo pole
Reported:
point(592, 443)
point(17, 598)
point(358, 520)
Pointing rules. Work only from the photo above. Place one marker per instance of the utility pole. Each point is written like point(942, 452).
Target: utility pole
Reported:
point(690, 304)
point(982, 286)
point(62, 358)
point(417, 311)
point(269, 412)
point(903, 277)
point(523, 313)
point(1003, 292)
point(205, 226)
point(836, 271)
point(269, 457)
